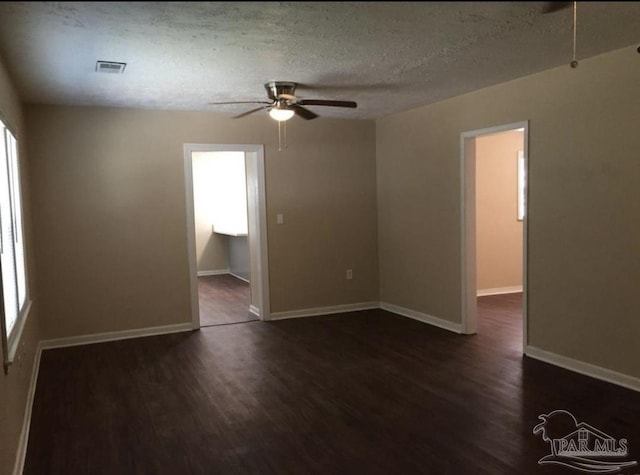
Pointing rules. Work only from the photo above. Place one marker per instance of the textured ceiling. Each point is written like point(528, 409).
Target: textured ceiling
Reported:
point(387, 56)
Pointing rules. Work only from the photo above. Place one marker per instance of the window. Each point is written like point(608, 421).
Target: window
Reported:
point(12, 255)
point(522, 179)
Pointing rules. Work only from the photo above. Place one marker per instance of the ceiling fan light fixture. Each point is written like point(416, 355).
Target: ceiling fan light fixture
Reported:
point(281, 114)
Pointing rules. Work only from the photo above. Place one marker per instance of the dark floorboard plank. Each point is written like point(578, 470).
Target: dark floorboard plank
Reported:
point(362, 393)
point(224, 299)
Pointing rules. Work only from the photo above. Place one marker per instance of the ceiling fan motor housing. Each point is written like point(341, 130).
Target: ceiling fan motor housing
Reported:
point(277, 88)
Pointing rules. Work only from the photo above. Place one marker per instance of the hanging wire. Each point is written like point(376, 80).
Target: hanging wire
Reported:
point(574, 62)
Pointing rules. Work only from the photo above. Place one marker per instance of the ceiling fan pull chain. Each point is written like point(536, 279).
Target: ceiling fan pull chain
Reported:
point(284, 133)
point(574, 63)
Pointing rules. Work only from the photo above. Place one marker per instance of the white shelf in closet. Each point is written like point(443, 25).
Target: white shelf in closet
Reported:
point(229, 231)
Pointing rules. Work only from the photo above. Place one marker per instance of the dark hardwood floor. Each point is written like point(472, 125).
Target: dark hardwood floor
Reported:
point(223, 299)
point(361, 393)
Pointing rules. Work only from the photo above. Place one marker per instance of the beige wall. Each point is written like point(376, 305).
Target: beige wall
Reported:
point(15, 385)
point(107, 190)
point(584, 203)
point(498, 231)
point(109, 213)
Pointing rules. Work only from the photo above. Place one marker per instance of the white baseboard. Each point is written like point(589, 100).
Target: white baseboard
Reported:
point(238, 277)
point(112, 336)
point(581, 367)
point(405, 312)
point(422, 317)
point(312, 312)
point(255, 310)
point(26, 421)
point(204, 273)
point(500, 290)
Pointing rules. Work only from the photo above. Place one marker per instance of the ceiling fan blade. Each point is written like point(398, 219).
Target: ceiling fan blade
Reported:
point(237, 102)
point(551, 7)
point(251, 111)
point(322, 102)
point(302, 112)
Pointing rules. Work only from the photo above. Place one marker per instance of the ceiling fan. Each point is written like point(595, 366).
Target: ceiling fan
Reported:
point(283, 103)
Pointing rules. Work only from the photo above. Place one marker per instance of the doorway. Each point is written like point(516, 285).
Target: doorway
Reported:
point(226, 230)
point(494, 250)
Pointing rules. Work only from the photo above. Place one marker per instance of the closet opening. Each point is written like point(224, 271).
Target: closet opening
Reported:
point(226, 223)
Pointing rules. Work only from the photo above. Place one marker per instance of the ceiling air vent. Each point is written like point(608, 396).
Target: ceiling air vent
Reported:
point(110, 67)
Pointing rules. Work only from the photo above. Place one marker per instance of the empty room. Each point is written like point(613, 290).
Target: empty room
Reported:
point(319, 237)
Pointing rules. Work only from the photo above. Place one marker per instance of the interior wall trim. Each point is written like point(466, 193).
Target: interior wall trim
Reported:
point(255, 310)
point(239, 277)
point(113, 336)
point(313, 312)
point(422, 317)
point(23, 442)
point(500, 291)
point(204, 273)
point(581, 367)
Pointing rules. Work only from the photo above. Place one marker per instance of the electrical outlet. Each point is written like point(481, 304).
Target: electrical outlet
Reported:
point(279, 218)
point(349, 274)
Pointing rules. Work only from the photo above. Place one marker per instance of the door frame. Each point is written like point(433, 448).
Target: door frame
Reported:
point(468, 221)
point(257, 217)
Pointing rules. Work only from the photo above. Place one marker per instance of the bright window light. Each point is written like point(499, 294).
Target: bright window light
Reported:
point(522, 179)
point(12, 252)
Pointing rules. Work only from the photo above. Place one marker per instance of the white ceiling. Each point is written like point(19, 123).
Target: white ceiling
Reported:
point(387, 56)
